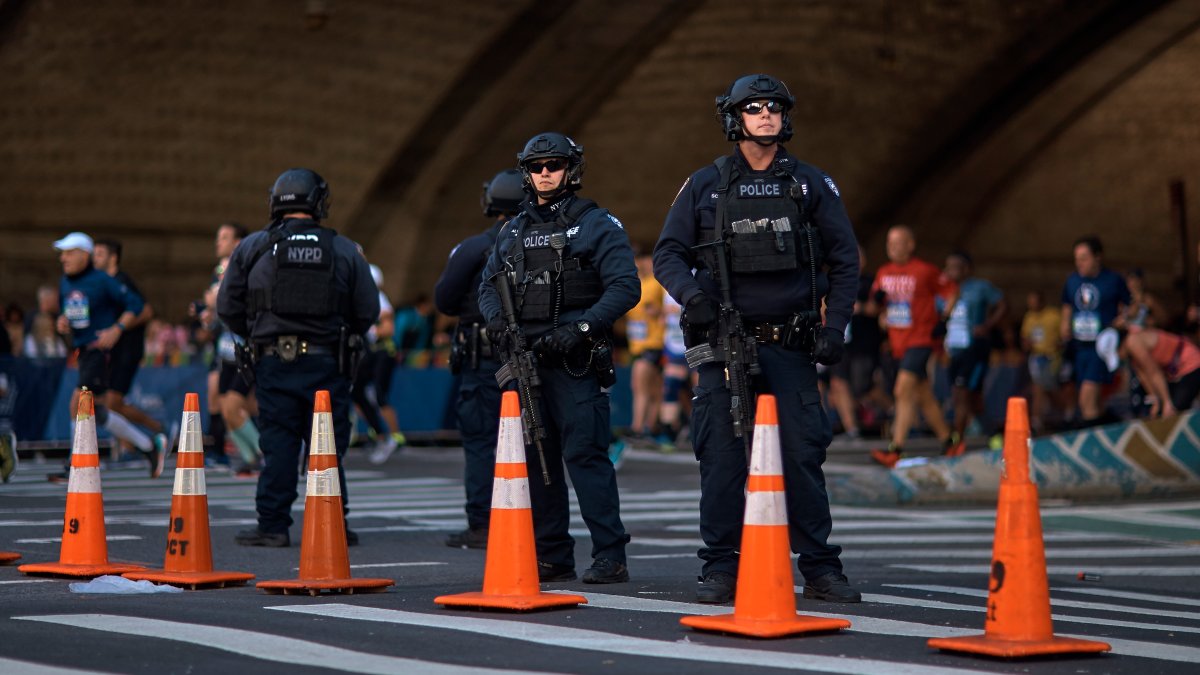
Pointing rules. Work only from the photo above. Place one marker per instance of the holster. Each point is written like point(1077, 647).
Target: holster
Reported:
point(244, 359)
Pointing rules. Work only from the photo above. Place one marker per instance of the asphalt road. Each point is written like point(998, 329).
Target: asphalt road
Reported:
point(923, 572)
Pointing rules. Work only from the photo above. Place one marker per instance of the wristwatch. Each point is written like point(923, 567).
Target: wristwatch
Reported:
point(583, 327)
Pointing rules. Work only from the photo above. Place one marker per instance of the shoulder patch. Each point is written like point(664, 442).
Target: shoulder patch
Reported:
point(615, 221)
point(833, 187)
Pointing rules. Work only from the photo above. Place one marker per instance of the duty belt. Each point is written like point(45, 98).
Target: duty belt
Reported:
point(288, 347)
point(767, 333)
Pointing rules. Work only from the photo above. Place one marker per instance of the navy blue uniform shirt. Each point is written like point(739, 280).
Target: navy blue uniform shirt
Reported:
point(771, 296)
point(464, 272)
point(597, 237)
point(93, 301)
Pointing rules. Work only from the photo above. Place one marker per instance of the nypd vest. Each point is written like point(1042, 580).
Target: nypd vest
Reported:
point(302, 283)
point(548, 276)
point(762, 218)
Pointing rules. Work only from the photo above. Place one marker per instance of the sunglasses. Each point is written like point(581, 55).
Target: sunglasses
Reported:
point(551, 164)
point(756, 107)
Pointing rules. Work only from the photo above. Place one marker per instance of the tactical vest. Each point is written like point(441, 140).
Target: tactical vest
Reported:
point(302, 283)
point(549, 279)
point(766, 226)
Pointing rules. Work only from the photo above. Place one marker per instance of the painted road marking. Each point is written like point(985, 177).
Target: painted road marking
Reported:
point(58, 540)
point(1129, 595)
point(893, 627)
point(1104, 607)
point(1099, 553)
point(1068, 570)
point(396, 564)
point(25, 581)
point(28, 668)
point(612, 643)
point(260, 645)
point(1065, 618)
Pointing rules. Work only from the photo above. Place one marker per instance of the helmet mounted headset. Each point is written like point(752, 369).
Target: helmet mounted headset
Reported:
point(753, 88)
point(299, 190)
point(503, 194)
point(552, 146)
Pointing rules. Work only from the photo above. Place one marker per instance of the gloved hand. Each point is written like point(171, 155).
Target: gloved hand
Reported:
point(497, 332)
point(561, 340)
point(829, 346)
point(700, 311)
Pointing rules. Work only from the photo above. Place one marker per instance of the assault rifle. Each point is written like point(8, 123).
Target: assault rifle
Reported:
point(732, 345)
point(520, 364)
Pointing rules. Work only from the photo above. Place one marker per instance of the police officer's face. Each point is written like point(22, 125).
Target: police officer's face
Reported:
point(227, 240)
point(1086, 262)
point(73, 260)
point(547, 174)
point(758, 120)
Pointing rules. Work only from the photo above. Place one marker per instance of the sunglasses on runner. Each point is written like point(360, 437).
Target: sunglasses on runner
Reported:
point(551, 164)
point(756, 107)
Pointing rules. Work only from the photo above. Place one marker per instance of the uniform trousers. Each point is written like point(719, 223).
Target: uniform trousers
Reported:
point(805, 435)
point(478, 410)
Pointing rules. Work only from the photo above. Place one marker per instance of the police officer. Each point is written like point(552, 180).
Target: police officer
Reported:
point(472, 356)
point(571, 267)
point(303, 297)
point(759, 202)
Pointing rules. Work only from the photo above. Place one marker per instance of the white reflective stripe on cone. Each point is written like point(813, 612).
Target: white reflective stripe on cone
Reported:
point(510, 444)
point(324, 483)
point(322, 435)
point(189, 439)
point(85, 437)
point(765, 508)
point(84, 479)
point(189, 482)
point(765, 455)
point(510, 493)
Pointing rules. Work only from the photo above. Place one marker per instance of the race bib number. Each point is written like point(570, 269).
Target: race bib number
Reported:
point(958, 328)
point(636, 330)
point(1085, 326)
point(77, 311)
point(226, 348)
point(899, 315)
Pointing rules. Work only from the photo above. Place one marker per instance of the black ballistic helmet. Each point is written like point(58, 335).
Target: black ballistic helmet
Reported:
point(753, 88)
point(503, 194)
point(300, 190)
point(548, 145)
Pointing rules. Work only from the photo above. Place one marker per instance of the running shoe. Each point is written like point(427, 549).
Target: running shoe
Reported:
point(887, 457)
point(8, 455)
point(157, 455)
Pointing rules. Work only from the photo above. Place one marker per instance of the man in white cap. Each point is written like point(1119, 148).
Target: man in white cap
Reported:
point(96, 310)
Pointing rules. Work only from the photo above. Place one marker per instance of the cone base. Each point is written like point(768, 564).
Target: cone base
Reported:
point(730, 623)
point(520, 603)
point(192, 580)
point(316, 586)
point(6, 557)
point(989, 646)
point(79, 571)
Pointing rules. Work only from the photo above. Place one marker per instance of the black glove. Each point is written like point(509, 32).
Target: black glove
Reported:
point(880, 296)
point(700, 311)
point(562, 340)
point(829, 346)
point(497, 332)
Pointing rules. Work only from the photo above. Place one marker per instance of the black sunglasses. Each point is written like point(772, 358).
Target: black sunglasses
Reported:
point(756, 107)
point(552, 164)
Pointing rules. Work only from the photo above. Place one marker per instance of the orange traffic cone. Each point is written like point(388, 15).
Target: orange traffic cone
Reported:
point(1017, 622)
point(765, 604)
point(84, 551)
point(510, 578)
point(6, 557)
point(189, 546)
point(324, 558)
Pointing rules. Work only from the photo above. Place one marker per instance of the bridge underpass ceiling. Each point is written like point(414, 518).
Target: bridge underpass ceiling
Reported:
point(1009, 127)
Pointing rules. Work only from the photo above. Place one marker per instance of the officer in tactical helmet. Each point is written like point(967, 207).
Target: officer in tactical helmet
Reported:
point(768, 239)
point(302, 297)
point(570, 270)
point(473, 357)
